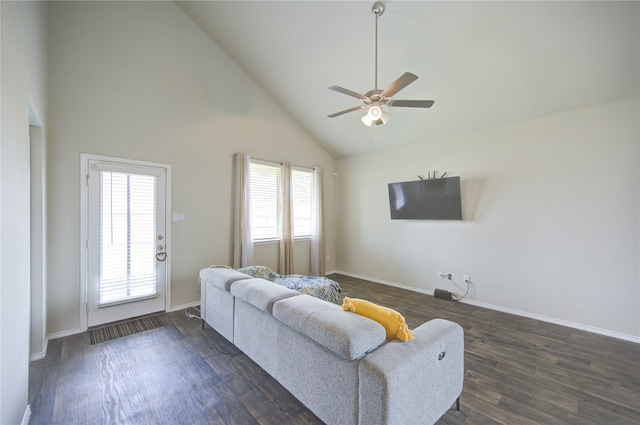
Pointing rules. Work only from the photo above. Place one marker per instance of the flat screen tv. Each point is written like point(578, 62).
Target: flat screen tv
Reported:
point(434, 199)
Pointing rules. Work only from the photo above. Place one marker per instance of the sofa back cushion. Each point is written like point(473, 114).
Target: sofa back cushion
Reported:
point(348, 335)
point(222, 277)
point(261, 293)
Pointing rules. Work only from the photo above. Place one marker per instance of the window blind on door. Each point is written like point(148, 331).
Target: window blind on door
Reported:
point(127, 237)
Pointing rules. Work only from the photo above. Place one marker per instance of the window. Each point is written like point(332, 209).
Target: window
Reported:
point(266, 198)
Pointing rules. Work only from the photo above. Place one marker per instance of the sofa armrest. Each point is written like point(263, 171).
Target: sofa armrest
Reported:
point(413, 382)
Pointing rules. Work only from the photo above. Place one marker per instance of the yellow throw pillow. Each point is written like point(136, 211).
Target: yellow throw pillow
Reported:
point(392, 321)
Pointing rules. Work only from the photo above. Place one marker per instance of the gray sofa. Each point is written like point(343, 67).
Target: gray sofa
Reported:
point(336, 363)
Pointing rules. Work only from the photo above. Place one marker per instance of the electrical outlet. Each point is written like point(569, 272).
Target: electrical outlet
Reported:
point(467, 279)
point(444, 275)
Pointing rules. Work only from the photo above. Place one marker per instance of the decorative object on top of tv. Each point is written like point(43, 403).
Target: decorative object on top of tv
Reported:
point(376, 99)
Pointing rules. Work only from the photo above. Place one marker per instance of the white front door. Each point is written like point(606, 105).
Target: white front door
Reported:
point(126, 240)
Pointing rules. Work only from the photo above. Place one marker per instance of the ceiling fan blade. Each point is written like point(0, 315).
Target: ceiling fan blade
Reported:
point(347, 92)
point(346, 111)
point(411, 103)
point(402, 82)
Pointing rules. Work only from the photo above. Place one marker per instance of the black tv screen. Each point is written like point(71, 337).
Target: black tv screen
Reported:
point(434, 199)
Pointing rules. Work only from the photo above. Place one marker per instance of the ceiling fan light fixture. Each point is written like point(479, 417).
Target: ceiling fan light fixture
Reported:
point(366, 120)
point(375, 112)
point(385, 117)
point(375, 115)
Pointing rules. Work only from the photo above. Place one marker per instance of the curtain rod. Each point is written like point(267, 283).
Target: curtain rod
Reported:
point(277, 162)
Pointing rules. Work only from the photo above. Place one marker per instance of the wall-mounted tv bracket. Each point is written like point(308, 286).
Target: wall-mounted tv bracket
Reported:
point(432, 176)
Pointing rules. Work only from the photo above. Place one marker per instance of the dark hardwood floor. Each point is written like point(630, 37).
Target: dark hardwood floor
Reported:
point(518, 371)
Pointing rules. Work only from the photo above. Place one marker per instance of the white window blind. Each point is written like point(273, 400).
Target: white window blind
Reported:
point(265, 201)
point(301, 202)
point(127, 237)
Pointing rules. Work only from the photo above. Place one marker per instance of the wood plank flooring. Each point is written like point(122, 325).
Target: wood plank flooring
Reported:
point(517, 371)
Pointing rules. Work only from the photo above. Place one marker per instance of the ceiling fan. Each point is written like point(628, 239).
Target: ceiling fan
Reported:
point(375, 99)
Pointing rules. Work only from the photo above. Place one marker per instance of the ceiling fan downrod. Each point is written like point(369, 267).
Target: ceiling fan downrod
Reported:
point(378, 10)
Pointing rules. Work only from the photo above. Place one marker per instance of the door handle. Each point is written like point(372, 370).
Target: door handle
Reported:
point(161, 255)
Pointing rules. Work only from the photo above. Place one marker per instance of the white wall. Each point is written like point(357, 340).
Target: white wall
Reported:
point(140, 80)
point(38, 201)
point(551, 217)
point(23, 82)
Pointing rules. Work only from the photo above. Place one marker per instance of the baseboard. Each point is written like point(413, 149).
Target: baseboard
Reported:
point(43, 353)
point(386, 282)
point(592, 329)
point(62, 334)
point(574, 325)
point(79, 331)
point(26, 416)
point(183, 306)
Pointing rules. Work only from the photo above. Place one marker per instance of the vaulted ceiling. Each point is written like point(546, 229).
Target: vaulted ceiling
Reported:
point(484, 63)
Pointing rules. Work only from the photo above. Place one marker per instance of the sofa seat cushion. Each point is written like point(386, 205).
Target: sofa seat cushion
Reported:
point(347, 335)
point(261, 293)
point(222, 277)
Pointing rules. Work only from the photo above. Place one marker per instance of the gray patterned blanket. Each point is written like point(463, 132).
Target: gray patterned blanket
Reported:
point(319, 287)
